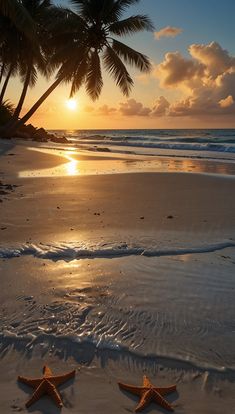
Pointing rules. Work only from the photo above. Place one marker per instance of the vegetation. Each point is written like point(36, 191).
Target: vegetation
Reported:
point(68, 44)
point(6, 112)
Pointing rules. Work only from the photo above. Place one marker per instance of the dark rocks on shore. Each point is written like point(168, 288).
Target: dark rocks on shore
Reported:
point(5, 190)
point(38, 135)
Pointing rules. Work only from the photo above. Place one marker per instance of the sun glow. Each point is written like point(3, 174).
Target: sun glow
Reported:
point(71, 104)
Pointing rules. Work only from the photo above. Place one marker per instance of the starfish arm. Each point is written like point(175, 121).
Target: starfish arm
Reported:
point(146, 382)
point(32, 382)
point(144, 402)
point(47, 371)
point(131, 388)
point(60, 379)
point(52, 391)
point(161, 401)
point(38, 393)
point(166, 390)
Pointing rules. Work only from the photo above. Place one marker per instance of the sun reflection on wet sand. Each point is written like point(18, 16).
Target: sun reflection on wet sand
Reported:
point(74, 163)
point(72, 166)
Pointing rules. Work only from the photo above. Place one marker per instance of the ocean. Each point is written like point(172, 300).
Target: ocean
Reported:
point(217, 143)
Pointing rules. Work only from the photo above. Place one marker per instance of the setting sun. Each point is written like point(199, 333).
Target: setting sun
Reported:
point(71, 104)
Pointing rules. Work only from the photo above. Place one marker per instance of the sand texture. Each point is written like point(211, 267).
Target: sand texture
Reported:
point(115, 275)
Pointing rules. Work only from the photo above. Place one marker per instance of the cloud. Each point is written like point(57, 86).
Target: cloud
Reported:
point(206, 80)
point(89, 108)
point(168, 31)
point(134, 108)
point(176, 69)
point(161, 107)
point(215, 59)
point(106, 110)
point(227, 102)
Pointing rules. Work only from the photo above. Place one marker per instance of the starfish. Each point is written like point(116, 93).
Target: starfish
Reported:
point(46, 385)
point(148, 393)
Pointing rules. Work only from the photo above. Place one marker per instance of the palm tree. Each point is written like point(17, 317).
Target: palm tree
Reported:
point(85, 36)
point(9, 46)
point(29, 57)
point(6, 81)
point(14, 10)
point(2, 71)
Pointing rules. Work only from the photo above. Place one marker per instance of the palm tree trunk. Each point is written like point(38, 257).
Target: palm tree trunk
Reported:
point(5, 84)
point(2, 71)
point(40, 101)
point(23, 95)
point(11, 127)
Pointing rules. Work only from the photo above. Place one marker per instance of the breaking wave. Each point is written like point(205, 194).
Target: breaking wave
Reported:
point(71, 251)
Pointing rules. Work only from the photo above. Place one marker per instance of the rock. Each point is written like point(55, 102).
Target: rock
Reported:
point(59, 140)
point(38, 138)
point(102, 149)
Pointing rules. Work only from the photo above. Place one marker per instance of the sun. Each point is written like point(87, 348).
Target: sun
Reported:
point(71, 104)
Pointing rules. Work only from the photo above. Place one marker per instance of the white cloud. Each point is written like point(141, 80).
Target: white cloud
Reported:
point(168, 31)
point(206, 79)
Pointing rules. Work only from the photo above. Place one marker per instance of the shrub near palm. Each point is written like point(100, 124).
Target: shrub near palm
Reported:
point(6, 112)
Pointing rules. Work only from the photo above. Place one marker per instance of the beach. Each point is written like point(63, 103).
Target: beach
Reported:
point(118, 266)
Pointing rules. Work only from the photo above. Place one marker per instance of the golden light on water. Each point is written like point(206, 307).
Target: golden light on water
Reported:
point(71, 104)
point(72, 167)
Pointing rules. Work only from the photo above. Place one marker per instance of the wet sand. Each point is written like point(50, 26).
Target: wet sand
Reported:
point(47, 303)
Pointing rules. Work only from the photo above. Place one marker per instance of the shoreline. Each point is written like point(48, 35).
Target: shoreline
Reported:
point(51, 161)
point(115, 317)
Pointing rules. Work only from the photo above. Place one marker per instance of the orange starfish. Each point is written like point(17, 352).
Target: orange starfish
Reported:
point(148, 393)
point(46, 385)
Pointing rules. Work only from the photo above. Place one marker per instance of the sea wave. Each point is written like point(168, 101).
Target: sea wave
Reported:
point(71, 251)
point(168, 145)
point(84, 350)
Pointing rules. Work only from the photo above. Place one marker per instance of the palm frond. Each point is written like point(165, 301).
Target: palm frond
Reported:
point(79, 76)
point(6, 112)
point(94, 81)
point(118, 8)
point(33, 77)
point(14, 10)
point(131, 25)
point(88, 9)
point(117, 69)
point(131, 56)
point(103, 10)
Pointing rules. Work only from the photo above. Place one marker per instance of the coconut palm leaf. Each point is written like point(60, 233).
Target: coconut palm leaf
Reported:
point(14, 10)
point(118, 8)
point(131, 25)
point(131, 56)
point(78, 40)
point(117, 69)
point(6, 112)
point(79, 76)
point(105, 10)
point(94, 81)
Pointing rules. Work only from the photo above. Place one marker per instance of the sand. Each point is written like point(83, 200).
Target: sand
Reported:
point(109, 301)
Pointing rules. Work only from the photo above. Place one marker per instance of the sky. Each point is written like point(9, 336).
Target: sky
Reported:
point(191, 85)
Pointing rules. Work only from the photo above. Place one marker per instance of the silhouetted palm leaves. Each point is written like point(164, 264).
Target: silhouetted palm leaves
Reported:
point(78, 43)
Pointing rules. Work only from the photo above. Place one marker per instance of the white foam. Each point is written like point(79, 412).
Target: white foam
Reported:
point(72, 251)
